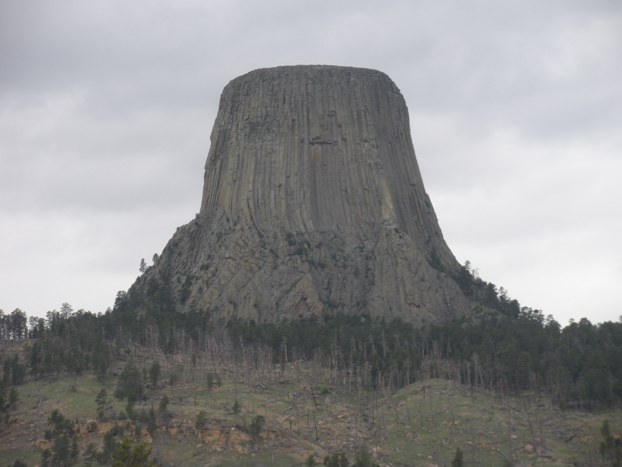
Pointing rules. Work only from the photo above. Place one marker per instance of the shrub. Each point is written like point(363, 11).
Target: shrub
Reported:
point(201, 420)
point(256, 425)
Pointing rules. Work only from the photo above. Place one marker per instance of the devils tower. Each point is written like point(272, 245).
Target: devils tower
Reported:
point(312, 203)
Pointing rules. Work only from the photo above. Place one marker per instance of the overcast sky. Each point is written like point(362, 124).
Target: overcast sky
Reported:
point(106, 108)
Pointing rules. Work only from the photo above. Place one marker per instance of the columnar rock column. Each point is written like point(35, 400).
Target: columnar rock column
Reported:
point(312, 203)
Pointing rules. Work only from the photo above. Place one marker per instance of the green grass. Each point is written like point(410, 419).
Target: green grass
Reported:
point(429, 421)
point(417, 425)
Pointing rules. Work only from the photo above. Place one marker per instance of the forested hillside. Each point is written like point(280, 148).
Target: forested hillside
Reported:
point(514, 349)
point(512, 352)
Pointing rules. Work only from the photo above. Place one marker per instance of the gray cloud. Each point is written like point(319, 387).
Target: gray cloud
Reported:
point(106, 110)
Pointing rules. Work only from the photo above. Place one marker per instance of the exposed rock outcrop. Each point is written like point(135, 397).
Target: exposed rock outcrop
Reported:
point(312, 203)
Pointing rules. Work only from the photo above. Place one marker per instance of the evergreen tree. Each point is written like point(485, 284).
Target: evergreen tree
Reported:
point(101, 400)
point(64, 450)
point(154, 374)
point(610, 447)
point(337, 459)
point(457, 460)
point(130, 384)
point(364, 458)
point(256, 425)
point(163, 405)
point(201, 420)
point(127, 455)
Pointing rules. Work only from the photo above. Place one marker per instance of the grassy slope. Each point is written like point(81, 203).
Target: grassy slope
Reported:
point(418, 425)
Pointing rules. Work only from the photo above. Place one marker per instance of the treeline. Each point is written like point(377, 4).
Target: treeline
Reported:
point(13, 325)
point(578, 366)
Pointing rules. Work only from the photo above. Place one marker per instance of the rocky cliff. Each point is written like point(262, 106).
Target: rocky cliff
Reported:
point(312, 203)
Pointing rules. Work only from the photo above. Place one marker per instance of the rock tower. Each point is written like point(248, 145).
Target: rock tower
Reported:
point(312, 203)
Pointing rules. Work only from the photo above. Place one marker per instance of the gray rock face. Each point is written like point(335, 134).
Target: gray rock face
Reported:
point(312, 203)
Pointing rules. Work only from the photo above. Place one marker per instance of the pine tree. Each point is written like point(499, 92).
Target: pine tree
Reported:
point(457, 461)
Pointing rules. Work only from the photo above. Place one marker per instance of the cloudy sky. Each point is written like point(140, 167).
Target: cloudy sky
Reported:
point(516, 113)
